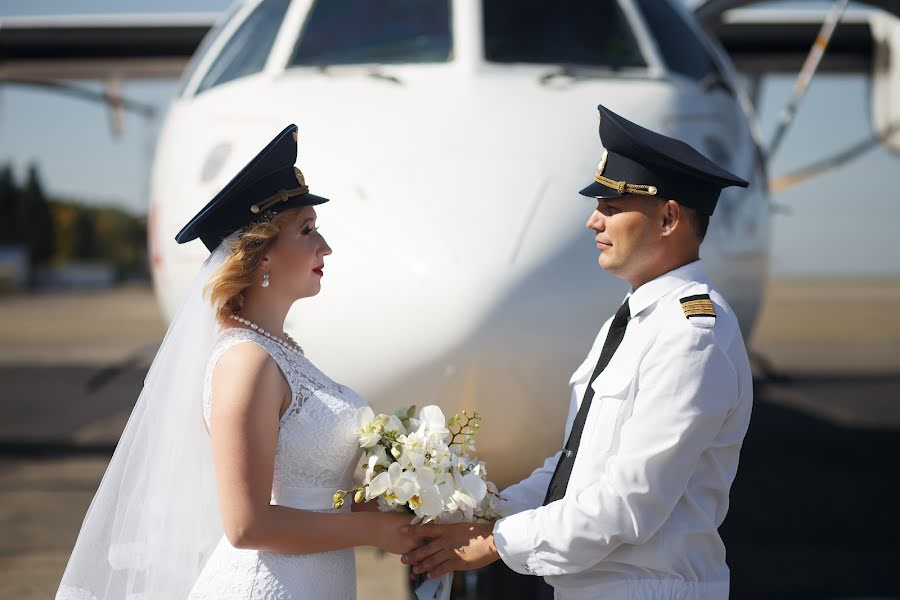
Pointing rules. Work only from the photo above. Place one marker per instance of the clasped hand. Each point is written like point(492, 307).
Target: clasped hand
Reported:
point(451, 547)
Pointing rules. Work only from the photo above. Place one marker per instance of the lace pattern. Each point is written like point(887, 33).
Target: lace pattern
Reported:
point(316, 443)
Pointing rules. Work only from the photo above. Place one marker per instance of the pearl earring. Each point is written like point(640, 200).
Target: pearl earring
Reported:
point(265, 280)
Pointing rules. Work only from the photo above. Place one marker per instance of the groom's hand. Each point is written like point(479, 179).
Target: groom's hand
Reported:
point(453, 547)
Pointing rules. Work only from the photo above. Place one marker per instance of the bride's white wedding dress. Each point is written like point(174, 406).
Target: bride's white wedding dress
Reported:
point(316, 454)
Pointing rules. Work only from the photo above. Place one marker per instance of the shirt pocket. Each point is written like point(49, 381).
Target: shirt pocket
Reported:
point(610, 394)
point(583, 371)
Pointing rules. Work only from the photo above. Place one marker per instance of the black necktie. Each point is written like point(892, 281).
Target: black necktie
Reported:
point(560, 480)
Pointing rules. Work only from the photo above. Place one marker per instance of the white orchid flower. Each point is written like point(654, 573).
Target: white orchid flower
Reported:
point(370, 469)
point(492, 507)
point(395, 486)
point(460, 463)
point(376, 457)
point(411, 445)
point(479, 469)
point(473, 487)
point(365, 427)
point(431, 419)
point(422, 449)
point(426, 502)
point(409, 464)
point(463, 492)
point(394, 426)
point(467, 445)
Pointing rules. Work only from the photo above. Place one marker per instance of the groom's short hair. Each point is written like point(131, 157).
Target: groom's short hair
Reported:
point(699, 222)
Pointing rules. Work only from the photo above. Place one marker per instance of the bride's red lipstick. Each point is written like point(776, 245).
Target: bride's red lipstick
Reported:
point(319, 271)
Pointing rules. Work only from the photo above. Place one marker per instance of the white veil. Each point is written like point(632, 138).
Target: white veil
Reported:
point(154, 520)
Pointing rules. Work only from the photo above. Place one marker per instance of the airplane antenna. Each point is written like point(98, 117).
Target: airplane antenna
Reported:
point(808, 71)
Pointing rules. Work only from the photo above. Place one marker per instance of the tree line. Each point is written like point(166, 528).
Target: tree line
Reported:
point(55, 231)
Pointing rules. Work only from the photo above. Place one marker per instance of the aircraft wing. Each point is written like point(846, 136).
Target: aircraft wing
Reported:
point(710, 12)
point(766, 40)
point(138, 46)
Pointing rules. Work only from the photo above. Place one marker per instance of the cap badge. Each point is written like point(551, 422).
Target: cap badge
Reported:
point(282, 195)
point(622, 187)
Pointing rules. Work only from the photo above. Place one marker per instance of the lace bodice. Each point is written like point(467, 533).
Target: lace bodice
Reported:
point(317, 445)
point(315, 455)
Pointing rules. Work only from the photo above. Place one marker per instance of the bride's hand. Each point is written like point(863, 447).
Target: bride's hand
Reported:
point(370, 506)
point(387, 534)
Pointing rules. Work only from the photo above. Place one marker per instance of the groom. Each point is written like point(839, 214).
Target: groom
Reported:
point(630, 508)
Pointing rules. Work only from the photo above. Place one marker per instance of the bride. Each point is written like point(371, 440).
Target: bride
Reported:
point(221, 485)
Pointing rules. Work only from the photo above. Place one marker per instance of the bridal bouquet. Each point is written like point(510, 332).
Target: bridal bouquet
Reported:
point(423, 463)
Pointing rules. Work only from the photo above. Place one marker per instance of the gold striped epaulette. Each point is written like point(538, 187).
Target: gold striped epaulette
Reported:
point(698, 306)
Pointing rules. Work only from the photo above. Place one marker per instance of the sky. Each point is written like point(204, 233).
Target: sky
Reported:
point(842, 224)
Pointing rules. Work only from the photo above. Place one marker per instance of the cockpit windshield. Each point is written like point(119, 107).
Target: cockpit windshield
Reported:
point(592, 33)
point(211, 36)
point(347, 32)
point(246, 51)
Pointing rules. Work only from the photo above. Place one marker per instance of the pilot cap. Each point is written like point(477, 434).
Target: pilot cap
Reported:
point(268, 184)
point(639, 161)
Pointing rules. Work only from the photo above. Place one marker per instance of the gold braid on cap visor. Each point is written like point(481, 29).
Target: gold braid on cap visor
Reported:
point(282, 195)
point(621, 186)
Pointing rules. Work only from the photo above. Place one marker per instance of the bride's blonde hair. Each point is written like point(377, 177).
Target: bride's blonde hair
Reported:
point(225, 289)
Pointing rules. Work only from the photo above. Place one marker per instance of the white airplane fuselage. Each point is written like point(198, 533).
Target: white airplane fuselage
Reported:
point(462, 273)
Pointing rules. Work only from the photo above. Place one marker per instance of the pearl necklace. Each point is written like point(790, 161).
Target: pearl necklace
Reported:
point(290, 343)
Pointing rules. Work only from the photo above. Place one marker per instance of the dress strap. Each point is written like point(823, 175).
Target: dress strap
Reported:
point(231, 336)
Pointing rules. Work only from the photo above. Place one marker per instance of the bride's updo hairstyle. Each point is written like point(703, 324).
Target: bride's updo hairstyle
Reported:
point(226, 287)
point(258, 201)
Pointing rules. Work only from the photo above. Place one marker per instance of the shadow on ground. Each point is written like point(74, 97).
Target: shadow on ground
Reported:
point(813, 509)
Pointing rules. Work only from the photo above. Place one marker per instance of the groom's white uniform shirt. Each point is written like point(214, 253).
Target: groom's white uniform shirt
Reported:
point(659, 451)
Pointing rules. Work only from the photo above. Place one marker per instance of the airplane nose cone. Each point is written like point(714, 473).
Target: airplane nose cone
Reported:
point(423, 252)
point(478, 209)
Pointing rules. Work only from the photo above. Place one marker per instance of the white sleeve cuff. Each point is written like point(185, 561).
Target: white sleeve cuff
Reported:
point(514, 539)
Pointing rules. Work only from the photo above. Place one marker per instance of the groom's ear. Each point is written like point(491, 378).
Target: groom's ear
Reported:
point(670, 217)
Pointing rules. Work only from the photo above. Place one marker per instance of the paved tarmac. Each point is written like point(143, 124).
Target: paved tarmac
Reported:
point(814, 506)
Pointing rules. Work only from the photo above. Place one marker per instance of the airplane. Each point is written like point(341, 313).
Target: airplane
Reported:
point(452, 137)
